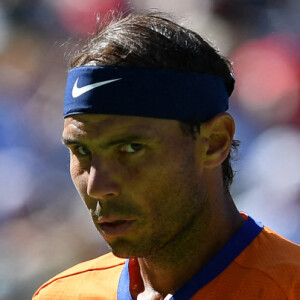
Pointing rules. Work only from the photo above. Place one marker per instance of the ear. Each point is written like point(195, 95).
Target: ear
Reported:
point(217, 135)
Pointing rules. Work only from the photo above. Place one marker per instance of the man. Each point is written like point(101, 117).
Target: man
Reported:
point(150, 139)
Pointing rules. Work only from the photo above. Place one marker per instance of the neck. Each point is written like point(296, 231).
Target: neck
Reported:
point(168, 269)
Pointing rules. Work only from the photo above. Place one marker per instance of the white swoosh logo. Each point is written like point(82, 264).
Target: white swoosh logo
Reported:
point(78, 91)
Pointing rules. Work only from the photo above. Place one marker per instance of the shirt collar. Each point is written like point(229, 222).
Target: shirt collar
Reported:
point(239, 241)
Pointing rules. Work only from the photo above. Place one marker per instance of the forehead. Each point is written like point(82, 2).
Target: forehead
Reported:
point(97, 125)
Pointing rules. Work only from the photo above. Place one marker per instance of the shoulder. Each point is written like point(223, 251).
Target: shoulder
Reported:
point(81, 279)
point(270, 250)
point(105, 262)
point(275, 260)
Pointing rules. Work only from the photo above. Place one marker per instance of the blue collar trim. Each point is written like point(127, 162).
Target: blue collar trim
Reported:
point(124, 283)
point(246, 234)
point(143, 92)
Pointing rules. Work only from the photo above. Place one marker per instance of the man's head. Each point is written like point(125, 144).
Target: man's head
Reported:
point(153, 40)
point(151, 179)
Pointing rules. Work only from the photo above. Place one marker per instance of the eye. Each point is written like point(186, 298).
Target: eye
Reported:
point(82, 150)
point(131, 147)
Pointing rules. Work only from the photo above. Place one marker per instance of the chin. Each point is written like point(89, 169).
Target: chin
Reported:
point(122, 253)
point(124, 249)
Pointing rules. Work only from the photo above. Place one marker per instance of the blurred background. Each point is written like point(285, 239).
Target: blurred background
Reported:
point(44, 226)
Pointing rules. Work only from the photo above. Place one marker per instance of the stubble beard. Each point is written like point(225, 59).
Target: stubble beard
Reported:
point(167, 244)
point(163, 235)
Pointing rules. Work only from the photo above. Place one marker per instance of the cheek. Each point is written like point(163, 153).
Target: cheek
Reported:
point(149, 185)
point(79, 176)
point(173, 179)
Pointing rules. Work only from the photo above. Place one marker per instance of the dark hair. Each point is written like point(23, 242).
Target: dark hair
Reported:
point(153, 40)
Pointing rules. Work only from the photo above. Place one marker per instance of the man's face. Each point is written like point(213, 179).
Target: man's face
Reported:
point(146, 176)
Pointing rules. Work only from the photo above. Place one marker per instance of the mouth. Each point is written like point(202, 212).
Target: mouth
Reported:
point(115, 228)
point(110, 226)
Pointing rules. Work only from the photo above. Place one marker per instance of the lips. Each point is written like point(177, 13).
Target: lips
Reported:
point(115, 228)
point(111, 226)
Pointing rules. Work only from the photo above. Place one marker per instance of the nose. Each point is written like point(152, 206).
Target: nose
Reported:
point(101, 184)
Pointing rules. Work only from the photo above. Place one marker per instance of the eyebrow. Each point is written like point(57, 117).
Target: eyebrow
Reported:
point(125, 140)
point(69, 141)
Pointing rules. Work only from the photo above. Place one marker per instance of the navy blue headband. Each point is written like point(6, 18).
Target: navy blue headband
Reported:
point(155, 93)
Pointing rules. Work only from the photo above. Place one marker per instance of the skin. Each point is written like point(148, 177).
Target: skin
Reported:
point(166, 185)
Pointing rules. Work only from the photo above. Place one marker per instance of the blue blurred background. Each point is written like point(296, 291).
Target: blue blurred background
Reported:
point(44, 226)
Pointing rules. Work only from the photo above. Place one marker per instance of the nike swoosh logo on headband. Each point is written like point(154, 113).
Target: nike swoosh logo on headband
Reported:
point(78, 91)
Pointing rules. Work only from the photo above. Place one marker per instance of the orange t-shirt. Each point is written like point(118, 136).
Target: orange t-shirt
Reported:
point(255, 263)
